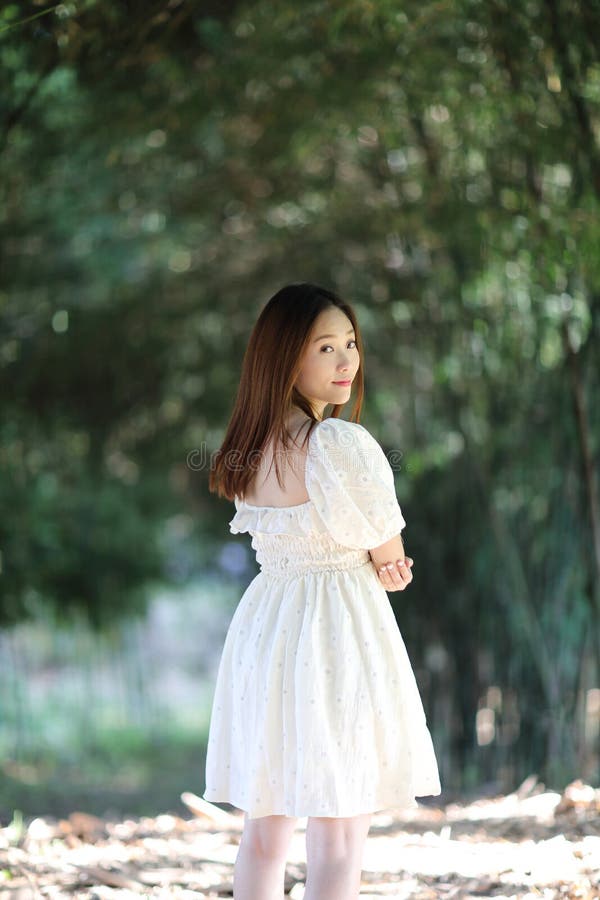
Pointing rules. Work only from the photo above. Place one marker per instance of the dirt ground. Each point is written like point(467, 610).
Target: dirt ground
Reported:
point(529, 844)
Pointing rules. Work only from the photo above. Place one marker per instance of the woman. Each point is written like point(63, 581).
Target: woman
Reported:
point(316, 711)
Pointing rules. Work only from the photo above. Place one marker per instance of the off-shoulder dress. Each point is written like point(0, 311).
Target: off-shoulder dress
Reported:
point(316, 710)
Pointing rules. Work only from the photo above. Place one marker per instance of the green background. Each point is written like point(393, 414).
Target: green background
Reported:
point(164, 169)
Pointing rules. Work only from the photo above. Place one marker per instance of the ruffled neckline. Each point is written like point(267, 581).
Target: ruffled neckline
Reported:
point(301, 518)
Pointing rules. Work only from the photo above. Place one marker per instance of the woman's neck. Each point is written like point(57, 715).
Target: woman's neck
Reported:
point(297, 416)
point(296, 421)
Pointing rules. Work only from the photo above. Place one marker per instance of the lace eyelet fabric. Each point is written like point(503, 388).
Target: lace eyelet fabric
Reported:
point(316, 709)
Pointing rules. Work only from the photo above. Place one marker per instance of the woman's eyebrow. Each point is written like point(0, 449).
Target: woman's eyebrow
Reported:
point(320, 338)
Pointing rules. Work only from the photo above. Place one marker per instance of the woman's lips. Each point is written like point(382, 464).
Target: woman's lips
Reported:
point(343, 383)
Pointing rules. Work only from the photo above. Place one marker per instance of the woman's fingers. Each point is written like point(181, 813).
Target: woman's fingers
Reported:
point(396, 576)
point(385, 578)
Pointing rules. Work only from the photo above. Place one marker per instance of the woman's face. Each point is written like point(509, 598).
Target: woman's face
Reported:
point(330, 361)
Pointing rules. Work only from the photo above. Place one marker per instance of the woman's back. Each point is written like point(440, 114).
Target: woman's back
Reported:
point(265, 489)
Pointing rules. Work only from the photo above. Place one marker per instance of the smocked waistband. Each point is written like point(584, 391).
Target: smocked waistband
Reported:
point(275, 570)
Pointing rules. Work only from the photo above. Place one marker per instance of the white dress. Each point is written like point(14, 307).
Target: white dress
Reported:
point(316, 711)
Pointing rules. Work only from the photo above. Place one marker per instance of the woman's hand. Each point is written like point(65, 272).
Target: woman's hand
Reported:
point(395, 576)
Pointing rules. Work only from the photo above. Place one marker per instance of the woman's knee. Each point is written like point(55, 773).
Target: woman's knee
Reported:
point(268, 837)
point(336, 838)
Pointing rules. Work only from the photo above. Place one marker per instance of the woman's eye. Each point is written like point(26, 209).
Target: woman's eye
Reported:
point(329, 345)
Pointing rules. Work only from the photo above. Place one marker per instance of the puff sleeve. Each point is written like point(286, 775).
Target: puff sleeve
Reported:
point(351, 483)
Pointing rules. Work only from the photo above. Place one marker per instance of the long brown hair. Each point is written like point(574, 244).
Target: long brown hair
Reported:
point(266, 392)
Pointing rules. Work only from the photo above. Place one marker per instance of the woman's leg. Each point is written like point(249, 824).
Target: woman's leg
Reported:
point(259, 868)
point(334, 851)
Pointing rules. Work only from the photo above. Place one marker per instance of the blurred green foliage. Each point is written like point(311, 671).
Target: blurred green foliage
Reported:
point(166, 167)
point(126, 772)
